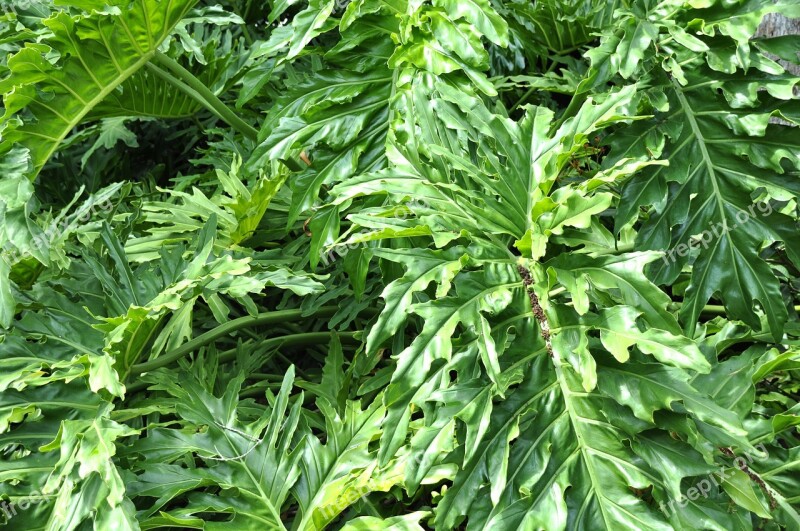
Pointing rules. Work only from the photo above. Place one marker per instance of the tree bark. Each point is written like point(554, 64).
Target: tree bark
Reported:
point(775, 25)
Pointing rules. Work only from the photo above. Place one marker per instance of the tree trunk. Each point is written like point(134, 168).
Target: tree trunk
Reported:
point(775, 25)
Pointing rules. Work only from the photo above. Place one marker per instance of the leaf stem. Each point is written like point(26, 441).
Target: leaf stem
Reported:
point(620, 249)
point(310, 338)
point(224, 330)
point(293, 340)
point(714, 309)
point(567, 51)
point(246, 32)
point(188, 83)
point(578, 99)
point(247, 6)
point(522, 99)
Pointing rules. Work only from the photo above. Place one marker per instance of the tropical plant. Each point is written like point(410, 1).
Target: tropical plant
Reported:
point(483, 264)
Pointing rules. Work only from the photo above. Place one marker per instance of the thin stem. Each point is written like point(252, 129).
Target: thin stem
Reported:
point(246, 32)
point(531, 90)
point(310, 338)
point(558, 291)
point(141, 385)
point(224, 330)
point(307, 338)
point(628, 247)
point(567, 51)
point(188, 83)
point(714, 308)
point(247, 6)
point(523, 99)
point(259, 390)
point(572, 109)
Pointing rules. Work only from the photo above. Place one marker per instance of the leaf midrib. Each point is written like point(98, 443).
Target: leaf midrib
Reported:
point(698, 134)
point(582, 446)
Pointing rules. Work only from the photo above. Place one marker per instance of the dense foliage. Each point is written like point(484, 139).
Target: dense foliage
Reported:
point(398, 264)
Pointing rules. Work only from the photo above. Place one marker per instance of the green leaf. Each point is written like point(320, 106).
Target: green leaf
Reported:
point(406, 522)
point(639, 35)
point(713, 204)
point(573, 471)
point(257, 459)
point(618, 332)
point(509, 332)
point(344, 469)
point(100, 49)
point(86, 450)
point(740, 488)
point(308, 24)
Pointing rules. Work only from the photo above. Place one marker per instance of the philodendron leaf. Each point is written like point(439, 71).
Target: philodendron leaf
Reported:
point(740, 488)
point(575, 460)
point(87, 448)
point(714, 204)
point(100, 48)
point(406, 522)
point(618, 332)
point(567, 207)
point(399, 265)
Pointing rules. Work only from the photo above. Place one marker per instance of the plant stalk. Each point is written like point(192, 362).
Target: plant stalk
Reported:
point(713, 309)
point(345, 337)
point(306, 338)
point(224, 330)
point(188, 83)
